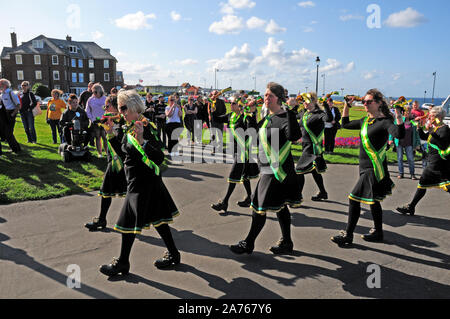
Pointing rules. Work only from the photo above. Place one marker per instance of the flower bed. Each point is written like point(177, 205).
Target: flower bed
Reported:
point(348, 142)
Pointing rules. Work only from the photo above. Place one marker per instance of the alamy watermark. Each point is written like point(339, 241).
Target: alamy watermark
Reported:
point(374, 279)
point(374, 19)
point(74, 279)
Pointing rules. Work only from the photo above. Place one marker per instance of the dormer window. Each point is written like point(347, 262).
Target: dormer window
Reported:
point(38, 44)
point(73, 49)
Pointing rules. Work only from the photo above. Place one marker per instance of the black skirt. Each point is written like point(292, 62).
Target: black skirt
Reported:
point(114, 184)
point(436, 178)
point(310, 162)
point(150, 206)
point(241, 172)
point(272, 196)
point(369, 191)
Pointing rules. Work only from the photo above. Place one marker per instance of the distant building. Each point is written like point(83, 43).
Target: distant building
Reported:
point(161, 89)
point(60, 64)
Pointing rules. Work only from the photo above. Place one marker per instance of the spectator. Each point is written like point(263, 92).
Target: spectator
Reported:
point(160, 117)
point(173, 115)
point(149, 107)
point(10, 106)
point(73, 111)
point(29, 102)
point(408, 144)
point(331, 128)
point(54, 111)
point(95, 111)
point(84, 97)
point(219, 108)
point(202, 111)
point(113, 92)
point(190, 110)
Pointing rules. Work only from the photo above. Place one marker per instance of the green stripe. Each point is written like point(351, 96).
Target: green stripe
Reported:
point(145, 159)
point(317, 140)
point(377, 158)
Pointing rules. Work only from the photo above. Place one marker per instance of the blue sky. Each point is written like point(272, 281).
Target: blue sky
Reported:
point(171, 42)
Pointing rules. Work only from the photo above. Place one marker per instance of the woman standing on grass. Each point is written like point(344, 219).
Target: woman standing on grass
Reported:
point(114, 181)
point(312, 124)
point(54, 111)
point(94, 110)
point(148, 201)
point(278, 185)
point(26, 112)
point(437, 172)
point(374, 183)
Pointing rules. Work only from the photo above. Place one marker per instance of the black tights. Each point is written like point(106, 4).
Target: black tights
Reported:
point(105, 204)
point(420, 193)
point(231, 188)
point(128, 240)
point(258, 222)
point(317, 178)
point(355, 212)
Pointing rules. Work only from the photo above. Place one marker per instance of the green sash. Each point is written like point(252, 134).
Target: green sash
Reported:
point(317, 140)
point(241, 142)
point(117, 164)
point(276, 160)
point(377, 158)
point(443, 153)
point(145, 159)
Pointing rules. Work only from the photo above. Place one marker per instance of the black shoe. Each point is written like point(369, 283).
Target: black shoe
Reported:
point(115, 268)
point(343, 239)
point(283, 247)
point(245, 203)
point(168, 260)
point(220, 206)
point(319, 197)
point(96, 224)
point(242, 248)
point(405, 210)
point(374, 236)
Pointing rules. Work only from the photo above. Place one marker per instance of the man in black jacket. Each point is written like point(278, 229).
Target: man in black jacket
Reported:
point(26, 112)
point(220, 109)
point(160, 118)
point(73, 111)
point(331, 128)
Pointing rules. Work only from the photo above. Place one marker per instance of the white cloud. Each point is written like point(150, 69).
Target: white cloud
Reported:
point(273, 28)
point(175, 16)
point(351, 17)
point(237, 59)
point(241, 4)
point(308, 29)
point(408, 18)
point(96, 35)
point(135, 21)
point(187, 62)
point(229, 24)
point(256, 23)
point(370, 75)
point(306, 4)
point(396, 76)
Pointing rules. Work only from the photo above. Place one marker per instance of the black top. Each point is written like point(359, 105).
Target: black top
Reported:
point(221, 109)
point(440, 138)
point(84, 97)
point(150, 114)
point(202, 111)
point(315, 123)
point(28, 102)
point(192, 107)
point(160, 111)
point(69, 115)
point(378, 133)
point(336, 117)
point(118, 124)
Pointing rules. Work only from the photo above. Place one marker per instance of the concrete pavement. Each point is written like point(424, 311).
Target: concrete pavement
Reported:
point(41, 241)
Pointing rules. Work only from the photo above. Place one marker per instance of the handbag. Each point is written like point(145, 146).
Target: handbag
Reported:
point(37, 110)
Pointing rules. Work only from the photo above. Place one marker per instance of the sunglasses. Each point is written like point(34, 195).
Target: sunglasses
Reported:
point(368, 102)
point(123, 108)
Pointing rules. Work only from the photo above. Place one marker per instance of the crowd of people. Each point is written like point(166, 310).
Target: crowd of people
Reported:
point(134, 135)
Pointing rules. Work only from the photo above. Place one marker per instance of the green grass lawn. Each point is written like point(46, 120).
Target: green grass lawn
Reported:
point(39, 173)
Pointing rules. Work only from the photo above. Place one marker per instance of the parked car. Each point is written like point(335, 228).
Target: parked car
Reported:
point(426, 106)
point(44, 102)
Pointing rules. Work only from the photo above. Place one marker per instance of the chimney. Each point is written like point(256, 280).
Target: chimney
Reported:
point(69, 38)
point(14, 40)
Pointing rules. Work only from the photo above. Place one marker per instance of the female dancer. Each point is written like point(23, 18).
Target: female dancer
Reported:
point(148, 201)
point(278, 184)
point(312, 124)
point(437, 173)
point(239, 121)
point(374, 183)
point(114, 181)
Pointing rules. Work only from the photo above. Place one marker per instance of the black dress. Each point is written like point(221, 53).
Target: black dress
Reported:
point(437, 173)
point(278, 184)
point(114, 181)
point(148, 201)
point(243, 168)
point(312, 155)
point(374, 182)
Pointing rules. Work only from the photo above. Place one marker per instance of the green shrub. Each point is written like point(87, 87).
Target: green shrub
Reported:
point(42, 91)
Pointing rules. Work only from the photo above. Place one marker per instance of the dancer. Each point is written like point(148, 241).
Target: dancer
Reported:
point(374, 183)
point(278, 184)
point(437, 172)
point(239, 121)
point(312, 124)
point(114, 181)
point(148, 201)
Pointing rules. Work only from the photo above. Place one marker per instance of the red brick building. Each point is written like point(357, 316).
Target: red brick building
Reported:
point(59, 64)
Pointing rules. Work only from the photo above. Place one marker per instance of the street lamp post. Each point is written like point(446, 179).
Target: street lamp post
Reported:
point(317, 75)
point(342, 91)
point(215, 78)
point(424, 97)
point(306, 89)
point(434, 84)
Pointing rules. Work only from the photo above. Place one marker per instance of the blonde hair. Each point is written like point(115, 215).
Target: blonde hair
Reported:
point(99, 88)
point(439, 111)
point(132, 100)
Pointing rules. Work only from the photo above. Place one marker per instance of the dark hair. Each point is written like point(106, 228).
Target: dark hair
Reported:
point(113, 91)
point(112, 100)
point(278, 90)
point(379, 97)
point(73, 97)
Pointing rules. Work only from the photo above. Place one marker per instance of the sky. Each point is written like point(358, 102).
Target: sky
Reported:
point(394, 46)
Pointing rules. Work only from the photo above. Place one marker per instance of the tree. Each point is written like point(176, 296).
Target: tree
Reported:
point(40, 90)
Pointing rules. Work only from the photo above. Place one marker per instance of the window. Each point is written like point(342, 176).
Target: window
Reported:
point(106, 78)
point(91, 77)
point(56, 75)
point(72, 49)
point(80, 63)
point(91, 63)
point(20, 75)
point(37, 59)
point(18, 59)
point(55, 60)
point(106, 64)
point(38, 75)
point(74, 63)
point(38, 44)
point(65, 75)
point(74, 77)
point(81, 77)
point(65, 61)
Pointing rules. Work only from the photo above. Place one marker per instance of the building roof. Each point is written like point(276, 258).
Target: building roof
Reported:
point(56, 46)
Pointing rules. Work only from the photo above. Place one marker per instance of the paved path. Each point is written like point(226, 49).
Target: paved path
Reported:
point(39, 240)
